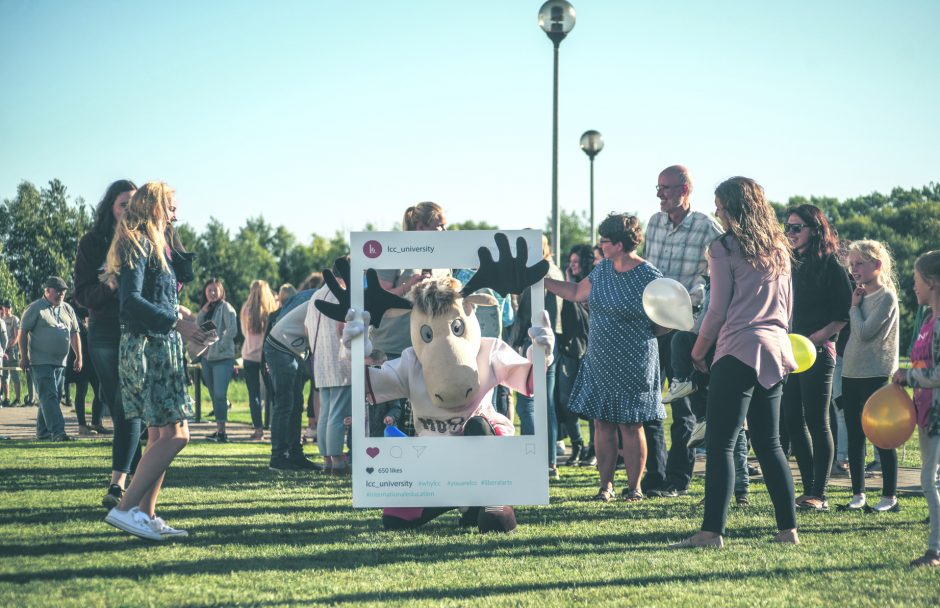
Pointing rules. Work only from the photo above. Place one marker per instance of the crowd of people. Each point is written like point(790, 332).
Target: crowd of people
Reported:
point(750, 283)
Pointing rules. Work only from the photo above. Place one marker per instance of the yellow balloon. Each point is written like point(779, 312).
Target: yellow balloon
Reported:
point(889, 417)
point(804, 351)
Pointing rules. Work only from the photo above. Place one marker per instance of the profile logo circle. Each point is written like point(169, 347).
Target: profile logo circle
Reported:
point(372, 249)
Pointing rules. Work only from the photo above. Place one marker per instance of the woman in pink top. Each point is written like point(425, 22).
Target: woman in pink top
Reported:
point(748, 316)
point(254, 321)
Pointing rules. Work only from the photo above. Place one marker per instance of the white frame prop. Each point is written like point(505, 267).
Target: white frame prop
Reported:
point(443, 471)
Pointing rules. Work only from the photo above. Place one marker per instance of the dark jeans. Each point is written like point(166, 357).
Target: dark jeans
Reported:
point(254, 376)
point(49, 421)
point(855, 392)
point(288, 407)
point(733, 395)
point(676, 468)
point(806, 399)
point(567, 372)
point(81, 392)
point(104, 339)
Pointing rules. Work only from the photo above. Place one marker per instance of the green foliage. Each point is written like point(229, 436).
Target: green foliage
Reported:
point(472, 225)
point(39, 233)
point(907, 221)
point(575, 230)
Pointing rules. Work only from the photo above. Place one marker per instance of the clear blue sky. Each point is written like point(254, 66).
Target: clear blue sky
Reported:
point(323, 116)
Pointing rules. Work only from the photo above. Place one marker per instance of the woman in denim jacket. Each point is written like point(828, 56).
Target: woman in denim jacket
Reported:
point(148, 260)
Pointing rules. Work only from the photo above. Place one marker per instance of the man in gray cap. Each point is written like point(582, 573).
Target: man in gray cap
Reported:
point(48, 327)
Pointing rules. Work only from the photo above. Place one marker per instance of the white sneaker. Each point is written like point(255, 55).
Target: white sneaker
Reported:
point(560, 448)
point(133, 522)
point(887, 503)
point(857, 502)
point(679, 389)
point(158, 525)
point(697, 437)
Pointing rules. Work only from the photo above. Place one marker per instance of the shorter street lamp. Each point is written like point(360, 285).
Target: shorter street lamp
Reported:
point(592, 144)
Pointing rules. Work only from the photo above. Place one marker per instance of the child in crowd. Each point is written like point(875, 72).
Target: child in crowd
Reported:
point(871, 357)
point(924, 376)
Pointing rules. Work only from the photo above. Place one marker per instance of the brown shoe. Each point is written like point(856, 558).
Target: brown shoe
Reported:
point(101, 429)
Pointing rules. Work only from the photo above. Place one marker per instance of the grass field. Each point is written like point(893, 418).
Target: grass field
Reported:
point(263, 539)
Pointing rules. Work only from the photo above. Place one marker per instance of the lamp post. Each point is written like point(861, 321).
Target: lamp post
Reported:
point(592, 143)
point(556, 18)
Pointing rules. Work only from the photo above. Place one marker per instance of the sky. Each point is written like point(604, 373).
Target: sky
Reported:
point(326, 116)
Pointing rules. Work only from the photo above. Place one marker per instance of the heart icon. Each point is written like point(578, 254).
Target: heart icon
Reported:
point(372, 452)
point(369, 470)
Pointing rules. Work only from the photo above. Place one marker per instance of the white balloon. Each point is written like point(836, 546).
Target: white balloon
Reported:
point(667, 303)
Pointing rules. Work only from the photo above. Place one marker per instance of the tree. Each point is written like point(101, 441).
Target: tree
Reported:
point(472, 225)
point(39, 233)
point(575, 230)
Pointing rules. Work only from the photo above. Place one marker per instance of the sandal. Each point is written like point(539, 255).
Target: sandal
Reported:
point(604, 495)
point(742, 501)
point(634, 495)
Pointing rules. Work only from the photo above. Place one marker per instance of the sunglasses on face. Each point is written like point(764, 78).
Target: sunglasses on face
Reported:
point(794, 228)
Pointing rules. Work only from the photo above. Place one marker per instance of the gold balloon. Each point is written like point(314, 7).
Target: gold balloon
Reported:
point(804, 351)
point(889, 418)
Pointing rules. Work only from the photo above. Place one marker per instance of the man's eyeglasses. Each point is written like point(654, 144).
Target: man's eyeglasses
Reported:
point(794, 228)
point(661, 188)
point(604, 241)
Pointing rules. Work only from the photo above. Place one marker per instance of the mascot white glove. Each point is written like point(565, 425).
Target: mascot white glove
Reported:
point(543, 336)
point(355, 328)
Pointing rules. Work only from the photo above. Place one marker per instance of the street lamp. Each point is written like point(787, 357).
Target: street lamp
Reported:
point(556, 18)
point(592, 143)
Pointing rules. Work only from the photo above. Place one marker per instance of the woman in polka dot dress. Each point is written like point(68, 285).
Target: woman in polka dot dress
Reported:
point(618, 384)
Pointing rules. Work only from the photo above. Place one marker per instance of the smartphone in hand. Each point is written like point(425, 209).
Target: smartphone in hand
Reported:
point(208, 326)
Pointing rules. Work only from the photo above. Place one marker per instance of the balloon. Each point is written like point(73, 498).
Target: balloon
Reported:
point(804, 351)
point(889, 418)
point(667, 303)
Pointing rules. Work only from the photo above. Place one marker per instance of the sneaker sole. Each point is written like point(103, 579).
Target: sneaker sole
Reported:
point(175, 534)
point(120, 525)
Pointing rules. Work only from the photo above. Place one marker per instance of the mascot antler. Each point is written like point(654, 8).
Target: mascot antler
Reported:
point(376, 300)
point(506, 275)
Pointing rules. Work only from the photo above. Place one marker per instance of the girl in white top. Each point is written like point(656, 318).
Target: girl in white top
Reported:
point(871, 357)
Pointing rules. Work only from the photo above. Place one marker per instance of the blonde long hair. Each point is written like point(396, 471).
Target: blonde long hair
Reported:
point(145, 221)
point(872, 251)
point(258, 306)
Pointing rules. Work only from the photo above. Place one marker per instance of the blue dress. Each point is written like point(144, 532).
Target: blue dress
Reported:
point(619, 377)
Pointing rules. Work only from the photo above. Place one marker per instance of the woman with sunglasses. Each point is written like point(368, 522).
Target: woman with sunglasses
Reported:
point(822, 296)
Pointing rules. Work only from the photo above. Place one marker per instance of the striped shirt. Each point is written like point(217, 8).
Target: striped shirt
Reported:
point(679, 251)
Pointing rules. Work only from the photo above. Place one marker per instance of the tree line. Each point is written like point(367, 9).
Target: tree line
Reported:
point(40, 229)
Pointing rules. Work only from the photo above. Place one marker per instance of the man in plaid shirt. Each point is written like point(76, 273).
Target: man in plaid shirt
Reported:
point(675, 243)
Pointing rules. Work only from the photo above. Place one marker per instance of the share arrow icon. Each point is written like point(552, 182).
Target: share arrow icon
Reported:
point(419, 450)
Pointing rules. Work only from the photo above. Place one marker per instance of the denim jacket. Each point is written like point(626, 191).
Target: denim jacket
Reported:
point(148, 294)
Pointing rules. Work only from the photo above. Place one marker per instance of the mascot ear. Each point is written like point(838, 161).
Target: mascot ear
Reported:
point(478, 299)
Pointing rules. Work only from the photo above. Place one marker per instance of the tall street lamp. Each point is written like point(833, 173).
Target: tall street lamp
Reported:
point(592, 143)
point(556, 18)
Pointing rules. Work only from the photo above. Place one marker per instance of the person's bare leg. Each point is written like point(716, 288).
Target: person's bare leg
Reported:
point(163, 444)
point(605, 448)
point(634, 452)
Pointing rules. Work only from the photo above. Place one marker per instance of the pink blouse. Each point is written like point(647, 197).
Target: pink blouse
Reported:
point(920, 358)
point(749, 313)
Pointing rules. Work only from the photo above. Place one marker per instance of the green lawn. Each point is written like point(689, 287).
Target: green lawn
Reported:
point(268, 540)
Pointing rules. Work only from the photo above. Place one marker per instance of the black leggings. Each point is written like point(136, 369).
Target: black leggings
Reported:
point(733, 394)
point(806, 412)
point(855, 392)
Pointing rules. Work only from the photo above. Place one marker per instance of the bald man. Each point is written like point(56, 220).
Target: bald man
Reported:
point(675, 243)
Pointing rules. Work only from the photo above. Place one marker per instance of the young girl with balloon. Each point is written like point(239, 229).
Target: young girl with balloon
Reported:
point(924, 376)
point(871, 357)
